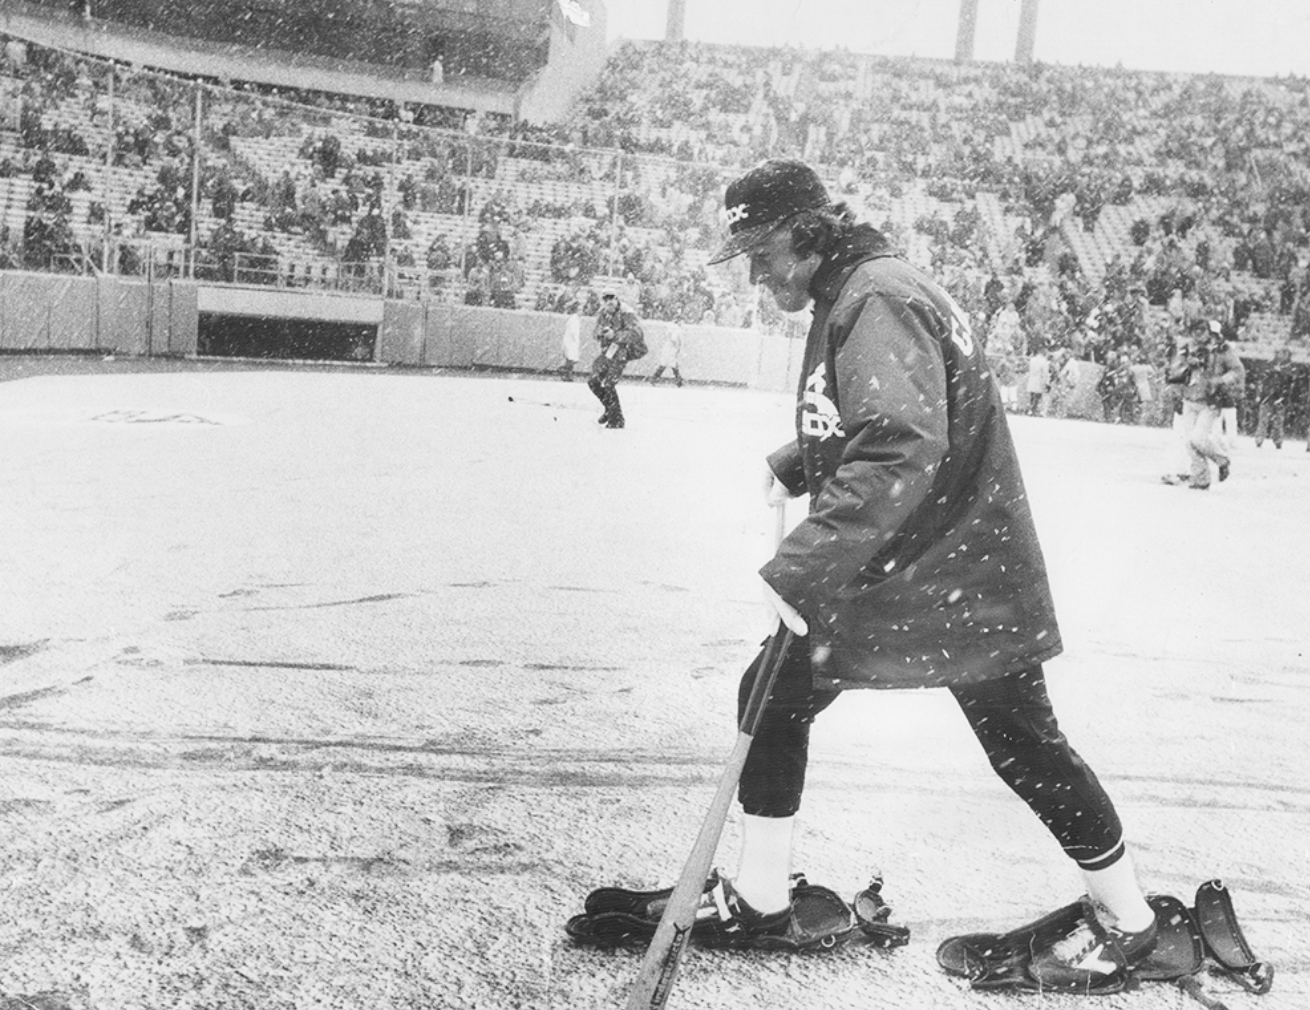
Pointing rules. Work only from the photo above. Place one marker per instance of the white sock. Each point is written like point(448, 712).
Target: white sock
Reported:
point(1115, 889)
point(764, 870)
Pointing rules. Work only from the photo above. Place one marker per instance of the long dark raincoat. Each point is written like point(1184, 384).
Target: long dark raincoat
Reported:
point(918, 564)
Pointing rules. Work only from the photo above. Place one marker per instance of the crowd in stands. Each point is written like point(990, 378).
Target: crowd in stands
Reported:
point(996, 176)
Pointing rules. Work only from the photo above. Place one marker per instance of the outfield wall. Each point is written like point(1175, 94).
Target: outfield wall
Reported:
point(111, 315)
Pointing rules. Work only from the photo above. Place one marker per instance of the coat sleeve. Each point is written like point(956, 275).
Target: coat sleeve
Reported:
point(1234, 373)
point(891, 395)
point(628, 330)
point(788, 466)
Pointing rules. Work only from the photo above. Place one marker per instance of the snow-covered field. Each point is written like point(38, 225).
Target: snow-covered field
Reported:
point(341, 688)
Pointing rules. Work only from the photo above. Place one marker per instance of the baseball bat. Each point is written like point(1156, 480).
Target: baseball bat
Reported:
point(659, 968)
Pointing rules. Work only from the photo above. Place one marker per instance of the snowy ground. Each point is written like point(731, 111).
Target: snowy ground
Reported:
point(340, 688)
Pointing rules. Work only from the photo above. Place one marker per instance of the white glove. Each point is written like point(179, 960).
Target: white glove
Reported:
point(775, 491)
point(787, 614)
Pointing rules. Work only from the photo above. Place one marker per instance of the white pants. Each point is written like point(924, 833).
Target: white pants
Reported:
point(1199, 423)
point(1178, 459)
point(1226, 436)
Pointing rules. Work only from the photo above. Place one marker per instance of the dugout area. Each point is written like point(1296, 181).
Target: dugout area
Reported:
point(229, 336)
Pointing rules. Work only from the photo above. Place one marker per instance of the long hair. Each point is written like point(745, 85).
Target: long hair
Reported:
point(820, 231)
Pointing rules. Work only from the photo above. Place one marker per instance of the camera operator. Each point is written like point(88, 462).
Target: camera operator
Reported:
point(619, 333)
point(1211, 376)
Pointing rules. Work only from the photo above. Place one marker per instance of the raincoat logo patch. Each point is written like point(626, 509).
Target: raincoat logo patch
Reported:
point(961, 331)
point(819, 416)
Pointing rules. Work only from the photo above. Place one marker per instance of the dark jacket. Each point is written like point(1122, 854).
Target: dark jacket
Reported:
point(918, 564)
point(1276, 385)
point(621, 326)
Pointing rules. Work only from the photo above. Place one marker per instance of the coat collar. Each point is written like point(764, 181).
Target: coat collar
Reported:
point(863, 242)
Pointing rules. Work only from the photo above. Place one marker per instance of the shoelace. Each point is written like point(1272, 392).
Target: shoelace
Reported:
point(1077, 945)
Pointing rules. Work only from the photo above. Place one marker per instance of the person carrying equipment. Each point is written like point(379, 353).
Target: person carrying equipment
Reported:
point(917, 566)
point(618, 331)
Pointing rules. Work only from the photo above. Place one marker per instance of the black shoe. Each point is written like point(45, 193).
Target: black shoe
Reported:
point(815, 919)
point(1223, 470)
point(1091, 956)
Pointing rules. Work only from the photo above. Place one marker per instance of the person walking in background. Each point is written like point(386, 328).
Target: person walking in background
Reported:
point(1003, 369)
point(571, 341)
point(1225, 398)
point(1004, 342)
point(1210, 374)
point(670, 355)
point(1039, 382)
point(1118, 390)
point(1275, 395)
point(1064, 382)
point(1178, 460)
point(619, 333)
point(1142, 374)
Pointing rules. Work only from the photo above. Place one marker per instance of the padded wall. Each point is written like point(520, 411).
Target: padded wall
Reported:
point(123, 308)
point(51, 312)
point(47, 312)
point(401, 335)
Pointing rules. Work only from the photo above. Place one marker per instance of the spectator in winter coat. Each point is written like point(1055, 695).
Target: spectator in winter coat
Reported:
point(1039, 382)
point(571, 342)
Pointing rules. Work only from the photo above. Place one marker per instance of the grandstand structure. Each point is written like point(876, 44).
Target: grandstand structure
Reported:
point(505, 58)
point(129, 149)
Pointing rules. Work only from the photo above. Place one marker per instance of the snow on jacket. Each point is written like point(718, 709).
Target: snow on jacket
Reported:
point(1208, 374)
point(619, 326)
point(918, 564)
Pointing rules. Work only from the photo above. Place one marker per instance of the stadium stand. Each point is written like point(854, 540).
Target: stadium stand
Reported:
point(1075, 188)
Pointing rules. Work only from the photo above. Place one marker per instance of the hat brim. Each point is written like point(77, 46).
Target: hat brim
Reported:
point(743, 242)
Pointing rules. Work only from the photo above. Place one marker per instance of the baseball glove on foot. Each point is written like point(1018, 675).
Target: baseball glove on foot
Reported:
point(817, 918)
